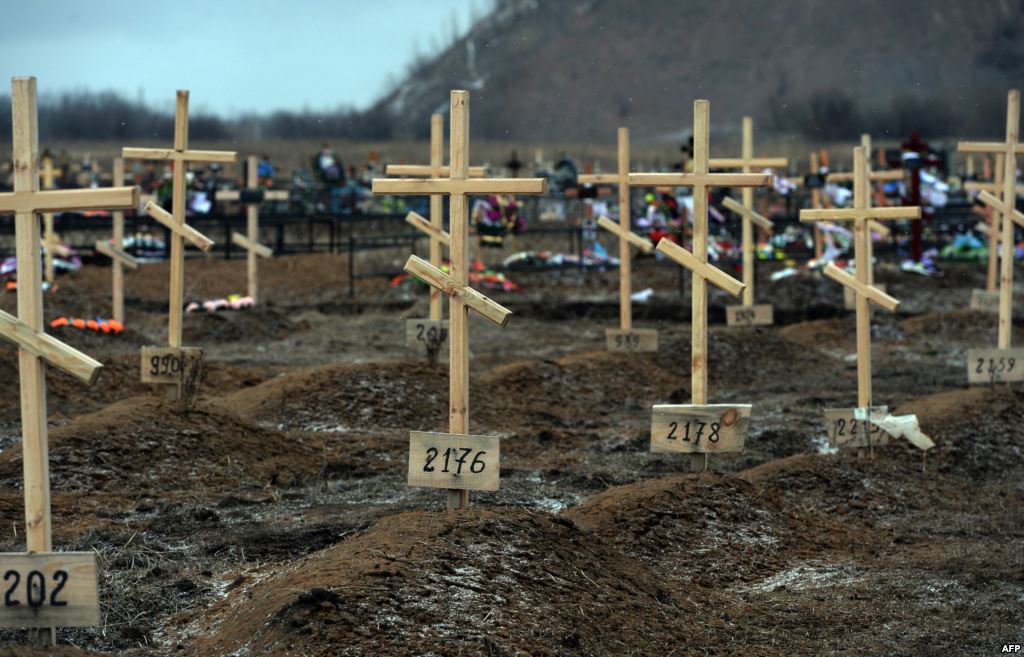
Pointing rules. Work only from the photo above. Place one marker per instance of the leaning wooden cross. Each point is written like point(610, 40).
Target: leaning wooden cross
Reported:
point(861, 214)
point(45, 589)
point(456, 460)
point(1003, 364)
point(174, 365)
point(749, 314)
point(252, 197)
point(988, 299)
point(115, 250)
point(626, 338)
point(700, 428)
point(431, 334)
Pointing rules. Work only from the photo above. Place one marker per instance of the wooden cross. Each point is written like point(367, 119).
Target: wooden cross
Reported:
point(49, 240)
point(119, 259)
point(180, 155)
point(26, 330)
point(697, 262)
point(1010, 148)
point(625, 339)
point(874, 226)
point(252, 198)
point(436, 169)
point(861, 214)
point(456, 284)
point(748, 163)
point(994, 187)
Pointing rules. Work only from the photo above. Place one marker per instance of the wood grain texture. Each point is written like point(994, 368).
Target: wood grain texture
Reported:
point(484, 450)
point(628, 236)
point(669, 431)
point(183, 230)
point(79, 593)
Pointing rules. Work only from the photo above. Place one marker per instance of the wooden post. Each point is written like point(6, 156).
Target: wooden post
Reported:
point(250, 242)
point(700, 180)
point(816, 204)
point(459, 186)
point(994, 217)
point(179, 156)
point(1011, 148)
point(49, 240)
point(26, 330)
point(116, 267)
point(747, 163)
point(626, 338)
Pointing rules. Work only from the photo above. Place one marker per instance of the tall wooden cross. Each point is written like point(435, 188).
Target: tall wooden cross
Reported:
point(115, 250)
point(180, 155)
point(49, 239)
point(748, 163)
point(436, 169)
point(252, 197)
point(35, 347)
point(1011, 148)
point(459, 187)
point(731, 419)
point(626, 338)
point(861, 214)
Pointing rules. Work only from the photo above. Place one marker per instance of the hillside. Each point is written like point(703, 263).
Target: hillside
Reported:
point(827, 69)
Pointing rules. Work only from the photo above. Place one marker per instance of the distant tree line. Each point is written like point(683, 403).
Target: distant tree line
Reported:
point(108, 115)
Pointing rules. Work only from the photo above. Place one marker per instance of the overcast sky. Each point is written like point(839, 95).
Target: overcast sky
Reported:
point(233, 55)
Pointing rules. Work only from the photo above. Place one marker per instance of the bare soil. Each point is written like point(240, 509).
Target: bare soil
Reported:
point(272, 517)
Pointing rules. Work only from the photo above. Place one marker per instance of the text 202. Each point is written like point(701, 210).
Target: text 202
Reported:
point(432, 336)
point(35, 588)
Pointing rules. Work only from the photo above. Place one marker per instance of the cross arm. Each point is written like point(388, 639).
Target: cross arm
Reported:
point(178, 156)
point(232, 195)
point(241, 240)
point(598, 179)
point(879, 227)
point(691, 262)
point(115, 253)
point(693, 179)
point(975, 186)
point(996, 204)
point(852, 214)
point(434, 277)
point(642, 243)
point(420, 223)
point(201, 241)
point(739, 162)
point(107, 198)
point(756, 217)
point(863, 289)
point(874, 176)
point(478, 186)
point(987, 147)
point(48, 348)
point(427, 171)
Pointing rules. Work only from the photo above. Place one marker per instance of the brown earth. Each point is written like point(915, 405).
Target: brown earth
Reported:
point(272, 517)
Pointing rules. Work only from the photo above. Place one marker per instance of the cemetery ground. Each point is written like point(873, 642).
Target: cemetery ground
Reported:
point(272, 517)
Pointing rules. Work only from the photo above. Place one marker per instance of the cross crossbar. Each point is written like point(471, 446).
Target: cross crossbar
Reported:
point(434, 277)
point(869, 291)
point(702, 269)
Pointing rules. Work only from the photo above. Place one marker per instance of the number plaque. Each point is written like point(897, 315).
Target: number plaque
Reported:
point(454, 461)
point(170, 365)
point(634, 340)
point(699, 428)
point(49, 589)
point(850, 427)
point(762, 314)
point(995, 365)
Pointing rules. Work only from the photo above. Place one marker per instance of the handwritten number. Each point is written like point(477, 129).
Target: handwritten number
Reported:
point(36, 585)
point(8, 601)
point(61, 577)
point(672, 433)
point(430, 458)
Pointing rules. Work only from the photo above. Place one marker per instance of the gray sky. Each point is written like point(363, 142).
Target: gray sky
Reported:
point(233, 55)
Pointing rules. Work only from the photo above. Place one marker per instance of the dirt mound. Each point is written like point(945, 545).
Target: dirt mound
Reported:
point(395, 395)
point(254, 325)
point(958, 326)
point(51, 651)
point(498, 582)
point(146, 445)
point(832, 333)
point(710, 527)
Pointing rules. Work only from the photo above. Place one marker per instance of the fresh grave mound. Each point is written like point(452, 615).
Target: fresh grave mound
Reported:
point(482, 581)
point(345, 397)
point(572, 390)
point(253, 325)
point(49, 651)
point(712, 529)
point(146, 445)
point(976, 431)
point(66, 395)
point(832, 333)
point(963, 327)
